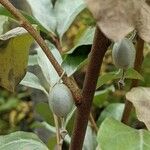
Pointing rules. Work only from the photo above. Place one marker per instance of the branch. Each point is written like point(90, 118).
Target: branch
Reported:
point(137, 67)
point(25, 24)
point(99, 48)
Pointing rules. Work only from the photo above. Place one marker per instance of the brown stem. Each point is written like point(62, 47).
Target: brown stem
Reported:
point(24, 23)
point(56, 42)
point(99, 48)
point(137, 67)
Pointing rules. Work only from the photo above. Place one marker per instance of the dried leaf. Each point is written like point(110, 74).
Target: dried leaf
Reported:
point(148, 2)
point(140, 97)
point(115, 17)
point(143, 22)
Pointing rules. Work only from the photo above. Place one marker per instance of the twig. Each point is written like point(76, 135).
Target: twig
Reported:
point(137, 67)
point(98, 51)
point(56, 41)
point(24, 23)
point(93, 123)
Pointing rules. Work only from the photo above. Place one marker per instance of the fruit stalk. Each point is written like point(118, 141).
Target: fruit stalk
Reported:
point(59, 146)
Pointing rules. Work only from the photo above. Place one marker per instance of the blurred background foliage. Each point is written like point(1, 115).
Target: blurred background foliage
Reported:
point(20, 110)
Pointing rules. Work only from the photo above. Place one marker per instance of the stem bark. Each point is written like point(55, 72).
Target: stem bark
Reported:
point(99, 48)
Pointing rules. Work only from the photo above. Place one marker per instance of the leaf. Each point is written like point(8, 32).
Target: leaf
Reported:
point(140, 97)
point(51, 19)
point(44, 111)
point(148, 2)
point(14, 50)
point(85, 39)
point(110, 76)
point(77, 56)
point(3, 24)
point(50, 128)
point(32, 81)
point(103, 79)
point(143, 25)
point(114, 17)
point(43, 125)
point(32, 20)
point(66, 11)
point(5, 12)
point(101, 96)
point(36, 70)
point(113, 135)
point(47, 68)
point(76, 60)
point(117, 18)
point(70, 116)
point(114, 110)
point(44, 13)
point(90, 139)
point(21, 140)
point(10, 104)
point(52, 143)
point(32, 60)
point(133, 74)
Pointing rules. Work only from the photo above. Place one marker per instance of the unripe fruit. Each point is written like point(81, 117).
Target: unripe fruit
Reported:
point(123, 54)
point(60, 100)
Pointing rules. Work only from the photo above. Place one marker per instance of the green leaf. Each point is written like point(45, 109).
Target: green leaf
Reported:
point(44, 111)
point(78, 55)
point(101, 96)
point(103, 79)
point(21, 141)
point(32, 81)
point(5, 12)
point(3, 24)
point(32, 60)
point(46, 67)
point(44, 125)
point(66, 11)
point(52, 143)
point(133, 74)
point(75, 61)
point(9, 104)
point(90, 139)
point(129, 74)
point(52, 129)
point(70, 116)
point(14, 50)
point(85, 39)
point(114, 110)
point(32, 20)
point(114, 135)
point(51, 19)
point(43, 11)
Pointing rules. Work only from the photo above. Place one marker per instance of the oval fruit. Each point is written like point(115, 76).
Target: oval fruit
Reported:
point(60, 100)
point(123, 54)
